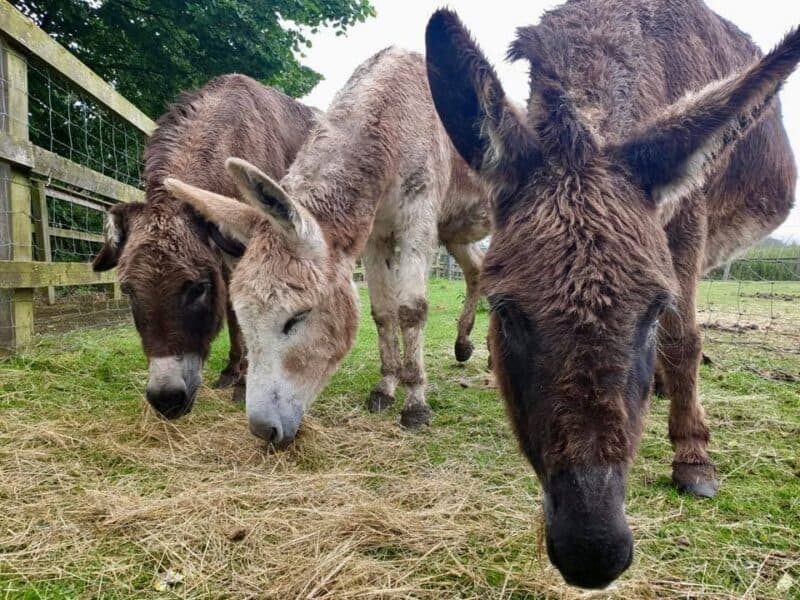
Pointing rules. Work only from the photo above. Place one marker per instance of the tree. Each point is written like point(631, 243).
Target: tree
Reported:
point(149, 50)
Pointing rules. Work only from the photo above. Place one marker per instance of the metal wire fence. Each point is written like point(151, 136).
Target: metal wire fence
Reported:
point(748, 308)
point(68, 121)
point(70, 147)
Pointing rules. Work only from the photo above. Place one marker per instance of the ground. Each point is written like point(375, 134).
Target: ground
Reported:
point(101, 499)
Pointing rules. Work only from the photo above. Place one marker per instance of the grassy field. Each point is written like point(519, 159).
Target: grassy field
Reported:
point(100, 499)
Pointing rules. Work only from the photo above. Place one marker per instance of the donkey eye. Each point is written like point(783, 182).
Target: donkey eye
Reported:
point(198, 291)
point(662, 304)
point(298, 318)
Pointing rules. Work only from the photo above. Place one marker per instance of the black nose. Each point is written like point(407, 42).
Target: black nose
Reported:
point(170, 403)
point(588, 538)
point(590, 562)
point(267, 429)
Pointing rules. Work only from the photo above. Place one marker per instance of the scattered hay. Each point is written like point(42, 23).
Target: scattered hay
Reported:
point(344, 513)
point(101, 499)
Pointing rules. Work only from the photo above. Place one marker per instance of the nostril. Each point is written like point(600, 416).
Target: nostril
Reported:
point(591, 564)
point(267, 431)
point(171, 403)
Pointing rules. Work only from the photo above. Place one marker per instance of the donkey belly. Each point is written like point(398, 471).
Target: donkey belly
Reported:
point(753, 195)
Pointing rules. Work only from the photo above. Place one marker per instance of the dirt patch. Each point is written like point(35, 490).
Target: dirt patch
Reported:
point(736, 328)
point(774, 296)
point(69, 314)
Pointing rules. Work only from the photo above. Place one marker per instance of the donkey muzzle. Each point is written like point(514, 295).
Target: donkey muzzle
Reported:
point(588, 538)
point(173, 384)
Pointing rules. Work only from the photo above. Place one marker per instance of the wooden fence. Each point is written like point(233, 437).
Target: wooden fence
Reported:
point(68, 141)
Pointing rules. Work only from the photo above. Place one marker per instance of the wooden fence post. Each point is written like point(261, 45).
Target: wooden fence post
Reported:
point(41, 228)
point(16, 308)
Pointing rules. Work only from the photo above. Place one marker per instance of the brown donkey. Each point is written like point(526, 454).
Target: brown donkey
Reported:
point(377, 175)
point(620, 187)
point(171, 263)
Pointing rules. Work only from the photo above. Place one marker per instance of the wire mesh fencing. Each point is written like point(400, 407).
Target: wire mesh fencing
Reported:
point(67, 158)
point(750, 307)
point(67, 121)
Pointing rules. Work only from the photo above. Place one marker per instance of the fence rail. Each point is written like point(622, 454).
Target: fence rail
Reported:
point(70, 147)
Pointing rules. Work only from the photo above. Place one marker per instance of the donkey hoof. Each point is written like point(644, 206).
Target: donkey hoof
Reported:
point(239, 392)
point(379, 401)
point(658, 387)
point(226, 380)
point(416, 416)
point(696, 480)
point(464, 350)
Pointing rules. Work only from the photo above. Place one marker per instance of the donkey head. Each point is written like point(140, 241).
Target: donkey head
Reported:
point(296, 303)
point(172, 275)
point(579, 270)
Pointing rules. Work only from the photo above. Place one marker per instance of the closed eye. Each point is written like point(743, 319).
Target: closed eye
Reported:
point(663, 303)
point(294, 321)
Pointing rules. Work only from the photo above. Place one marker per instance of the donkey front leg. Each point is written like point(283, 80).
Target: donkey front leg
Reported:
point(692, 469)
point(235, 372)
point(413, 314)
point(680, 355)
point(470, 258)
point(380, 272)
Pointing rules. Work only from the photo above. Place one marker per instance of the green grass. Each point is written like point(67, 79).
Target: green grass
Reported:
point(98, 496)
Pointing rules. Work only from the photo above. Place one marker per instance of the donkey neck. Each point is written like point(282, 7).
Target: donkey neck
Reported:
point(341, 183)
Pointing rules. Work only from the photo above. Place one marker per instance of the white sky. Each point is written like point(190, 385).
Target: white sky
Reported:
point(493, 23)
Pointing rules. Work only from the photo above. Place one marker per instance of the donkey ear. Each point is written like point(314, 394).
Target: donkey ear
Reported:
point(115, 231)
point(234, 219)
point(489, 133)
point(677, 153)
point(291, 218)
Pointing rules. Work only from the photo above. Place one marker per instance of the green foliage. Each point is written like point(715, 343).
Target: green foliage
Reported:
point(151, 49)
point(766, 262)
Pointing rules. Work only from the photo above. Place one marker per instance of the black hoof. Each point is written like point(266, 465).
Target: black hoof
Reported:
point(464, 351)
point(226, 380)
point(696, 480)
point(239, 392)
point(379, 402)
point(658, 387)
point(416, 416)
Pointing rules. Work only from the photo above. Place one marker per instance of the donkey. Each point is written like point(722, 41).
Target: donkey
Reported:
point(621, 186)
point(378, 174)
point(171, 261)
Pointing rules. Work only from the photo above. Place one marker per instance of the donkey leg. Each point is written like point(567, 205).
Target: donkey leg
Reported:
point(413, 314)
point(381, 281)
point(470, 258)
point(680, 355)
point(234, 373)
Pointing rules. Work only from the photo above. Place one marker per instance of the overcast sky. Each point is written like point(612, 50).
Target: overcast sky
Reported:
point(493, 22)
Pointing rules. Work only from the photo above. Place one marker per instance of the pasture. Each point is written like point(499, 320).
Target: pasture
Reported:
point(101, 499)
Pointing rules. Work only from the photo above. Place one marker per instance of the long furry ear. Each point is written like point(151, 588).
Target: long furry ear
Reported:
point(677, 153)
point(115, 231)
point(289, 217)
point(490, 134)
point(562, 135)
point(235, 220)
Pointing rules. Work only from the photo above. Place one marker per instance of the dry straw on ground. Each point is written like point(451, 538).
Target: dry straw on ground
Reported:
point(100, 499)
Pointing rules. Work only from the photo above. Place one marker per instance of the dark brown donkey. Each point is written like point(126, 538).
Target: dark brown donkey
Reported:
point(621, 186)
point(172, 263)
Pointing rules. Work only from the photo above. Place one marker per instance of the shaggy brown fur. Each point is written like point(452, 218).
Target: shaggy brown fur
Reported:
point(378, 177)
point(169, 258)
point(622, 184)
